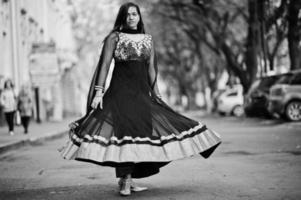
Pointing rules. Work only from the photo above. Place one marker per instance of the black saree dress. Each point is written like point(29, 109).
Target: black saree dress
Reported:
point(136, 132)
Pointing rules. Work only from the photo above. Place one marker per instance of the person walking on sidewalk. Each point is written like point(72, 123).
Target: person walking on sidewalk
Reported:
point(8, 101)
point(25, 106)
point(129, 126)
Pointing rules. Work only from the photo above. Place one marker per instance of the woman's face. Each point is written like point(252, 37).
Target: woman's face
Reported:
point(132, 18)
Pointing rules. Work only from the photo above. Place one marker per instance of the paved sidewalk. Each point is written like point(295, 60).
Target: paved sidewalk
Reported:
point(37, 133)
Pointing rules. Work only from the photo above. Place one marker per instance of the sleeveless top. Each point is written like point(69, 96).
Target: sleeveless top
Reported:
point(128, 49)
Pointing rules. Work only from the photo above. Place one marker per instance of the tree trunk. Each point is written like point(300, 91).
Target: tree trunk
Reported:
point(252, 40)
point(191, 105)
point(294, 33)
point(262, 32)
point(235, 67)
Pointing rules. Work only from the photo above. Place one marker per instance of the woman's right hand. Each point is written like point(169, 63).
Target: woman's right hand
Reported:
point(97, 100)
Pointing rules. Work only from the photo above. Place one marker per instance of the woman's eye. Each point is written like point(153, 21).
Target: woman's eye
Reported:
point(132, 14)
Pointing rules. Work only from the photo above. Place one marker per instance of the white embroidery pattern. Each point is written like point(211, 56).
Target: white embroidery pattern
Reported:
point(128, 49)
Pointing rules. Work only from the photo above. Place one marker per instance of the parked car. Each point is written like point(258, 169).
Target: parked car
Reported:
point(215, 96)
point(285, 97)
point(256, 100)
point(231, 101)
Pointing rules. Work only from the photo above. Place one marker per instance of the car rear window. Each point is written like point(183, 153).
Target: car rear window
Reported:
point(232, 94)
point(285, 79)
point(267, 82)
point(296, 80)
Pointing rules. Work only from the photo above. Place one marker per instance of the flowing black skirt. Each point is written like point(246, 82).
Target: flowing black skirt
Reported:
point(136, 127)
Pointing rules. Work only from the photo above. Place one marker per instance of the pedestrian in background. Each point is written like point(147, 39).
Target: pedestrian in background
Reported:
point(25, 106)
point(8, 102)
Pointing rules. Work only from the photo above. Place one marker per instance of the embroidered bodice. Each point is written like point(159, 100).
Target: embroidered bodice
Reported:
point(128, 49)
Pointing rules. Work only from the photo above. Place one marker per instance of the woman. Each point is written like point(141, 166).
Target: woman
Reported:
point(128, 126)
point(25, 106)
point(8, 101)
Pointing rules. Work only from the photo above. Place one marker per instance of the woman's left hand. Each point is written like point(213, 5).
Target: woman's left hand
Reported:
point(97, 100)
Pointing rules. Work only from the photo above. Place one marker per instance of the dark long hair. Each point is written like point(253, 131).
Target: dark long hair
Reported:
point(120, 21)
point(9, 81)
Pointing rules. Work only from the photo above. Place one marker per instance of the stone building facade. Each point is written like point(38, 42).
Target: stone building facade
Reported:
point(24, 25)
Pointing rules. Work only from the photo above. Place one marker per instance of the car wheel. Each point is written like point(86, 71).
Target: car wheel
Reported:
point(238, 111)
point(293, 111)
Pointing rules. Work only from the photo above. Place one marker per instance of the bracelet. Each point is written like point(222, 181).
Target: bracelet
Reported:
point(98, 87)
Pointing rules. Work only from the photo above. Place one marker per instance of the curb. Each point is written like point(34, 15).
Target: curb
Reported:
point(32, 140)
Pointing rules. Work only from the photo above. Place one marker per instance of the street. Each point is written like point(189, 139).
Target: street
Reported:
point(258, 159)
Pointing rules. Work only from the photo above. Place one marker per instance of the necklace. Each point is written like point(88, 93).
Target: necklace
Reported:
point(131, 39)
point(128, 30)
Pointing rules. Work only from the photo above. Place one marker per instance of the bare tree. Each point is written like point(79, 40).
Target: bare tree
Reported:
point(294, 33)
point(245, 34)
